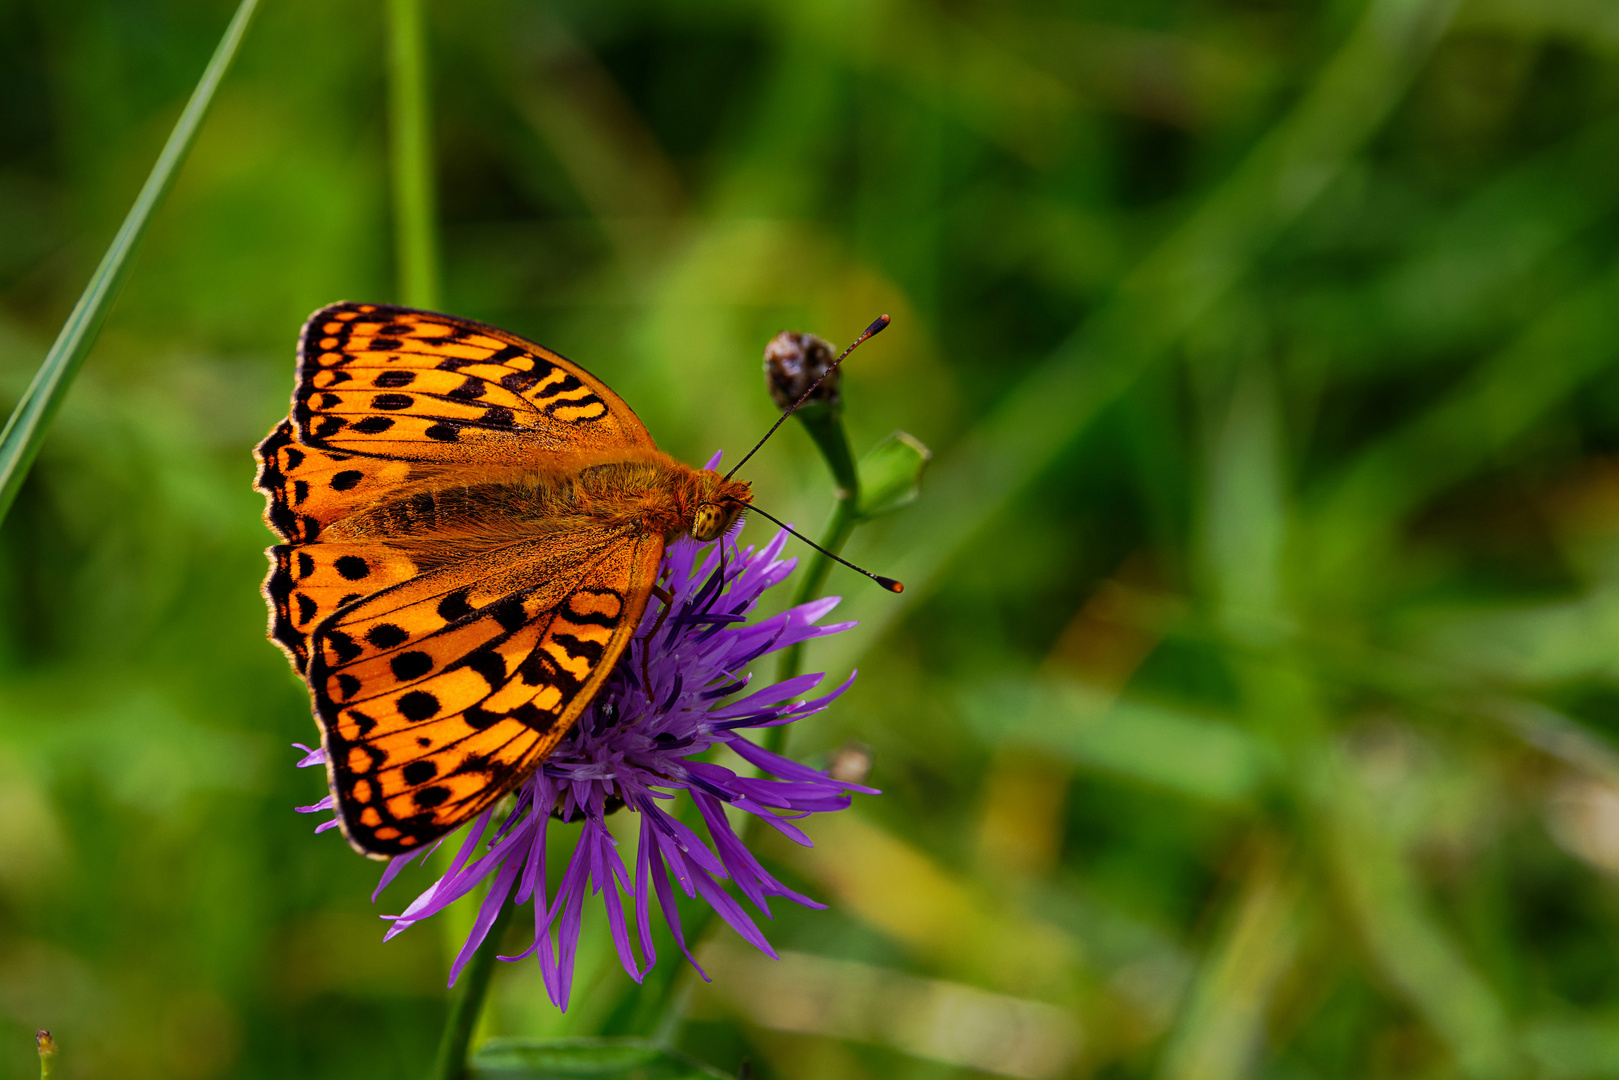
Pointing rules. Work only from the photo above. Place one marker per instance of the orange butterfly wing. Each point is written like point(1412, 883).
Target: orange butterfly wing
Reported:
point(306, 489)
point(413, 385)
point(437, 696)
point(476, 396)
point(389, 400)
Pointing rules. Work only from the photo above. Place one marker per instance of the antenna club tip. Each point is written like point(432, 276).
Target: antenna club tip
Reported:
point(876, 327)
point(890, 584)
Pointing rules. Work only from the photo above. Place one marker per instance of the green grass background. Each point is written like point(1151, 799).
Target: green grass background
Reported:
point(1252, 707)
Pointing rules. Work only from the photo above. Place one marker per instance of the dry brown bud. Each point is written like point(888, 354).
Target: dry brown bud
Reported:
point(793, 362)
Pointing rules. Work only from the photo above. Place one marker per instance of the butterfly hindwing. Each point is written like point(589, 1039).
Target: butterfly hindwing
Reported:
point(438, 695)
point(309, 582)
point(413, 385)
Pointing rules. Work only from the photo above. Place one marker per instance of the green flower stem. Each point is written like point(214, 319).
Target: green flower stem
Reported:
point(471, 990)
point(25, 430)
point(825, 425)
point(411, 146)
point(47, 1053)
point(838, 531)
point(893, 471)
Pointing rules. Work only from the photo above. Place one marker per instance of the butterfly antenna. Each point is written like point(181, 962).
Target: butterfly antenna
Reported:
point(886, 582)
point(871, 331)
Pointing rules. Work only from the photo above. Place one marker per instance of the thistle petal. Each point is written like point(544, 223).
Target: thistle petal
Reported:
point(638, 746)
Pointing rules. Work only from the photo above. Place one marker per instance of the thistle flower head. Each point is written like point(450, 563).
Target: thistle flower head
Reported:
point(641, 742)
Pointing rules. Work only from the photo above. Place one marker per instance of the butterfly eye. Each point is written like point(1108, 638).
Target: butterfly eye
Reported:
point(707, 523)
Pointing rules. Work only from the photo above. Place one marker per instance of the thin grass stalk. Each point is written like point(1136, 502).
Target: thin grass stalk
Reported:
point(417, 259)
point(411, 150)
point(25, 429)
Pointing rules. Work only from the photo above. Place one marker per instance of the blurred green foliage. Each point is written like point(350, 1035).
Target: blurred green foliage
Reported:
point(1252, 706)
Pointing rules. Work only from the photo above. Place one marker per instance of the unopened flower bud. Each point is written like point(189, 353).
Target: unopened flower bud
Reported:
point(47, 1052)
point(793, 362)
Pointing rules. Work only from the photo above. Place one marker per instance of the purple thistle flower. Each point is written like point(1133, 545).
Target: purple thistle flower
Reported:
point(635, 746)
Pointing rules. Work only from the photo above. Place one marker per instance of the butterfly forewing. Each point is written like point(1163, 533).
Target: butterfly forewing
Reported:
point(416, 386)
point(438, 695)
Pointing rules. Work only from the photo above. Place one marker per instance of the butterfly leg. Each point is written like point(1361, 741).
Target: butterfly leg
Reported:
point(668, 600)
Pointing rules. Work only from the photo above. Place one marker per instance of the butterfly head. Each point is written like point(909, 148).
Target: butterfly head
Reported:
point(719, 503)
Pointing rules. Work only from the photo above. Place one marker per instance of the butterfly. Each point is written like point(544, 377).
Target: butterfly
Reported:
point(472, 527)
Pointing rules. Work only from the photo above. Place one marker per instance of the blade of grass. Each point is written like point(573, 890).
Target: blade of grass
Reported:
point(415, 235)
point(1405, 939)
point(1222, 1029)
point(416, 254)
point(25, 430)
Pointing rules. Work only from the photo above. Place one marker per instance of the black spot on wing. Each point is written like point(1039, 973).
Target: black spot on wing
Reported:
point(532, 716)
point(509, 613)
point(590, 650)
point(470, 390)
point(352, 567)
point(418, 705)
point(386, 635)
point(568, 383)
point(455, 606)
point(519, 381)
point(409, 666)
point(344, 646)
point(479, 719)
point(420, 772)
point(538, 669)
point(592, 618)
point(431, 797)
point(487, 663)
